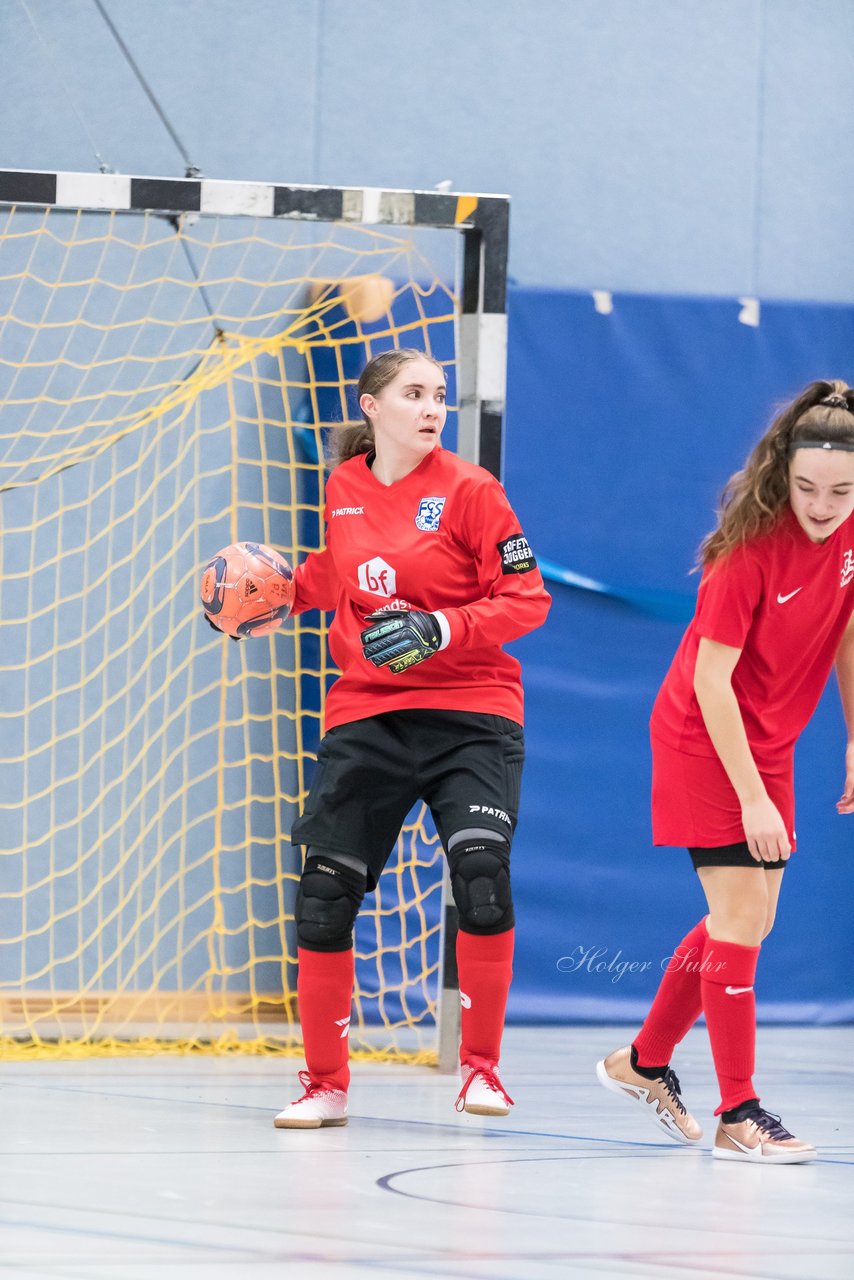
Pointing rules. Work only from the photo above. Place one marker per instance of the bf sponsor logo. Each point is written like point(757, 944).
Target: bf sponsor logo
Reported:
point(377, 577)
point(847, 568)
point(429, 514)
point(516, 554)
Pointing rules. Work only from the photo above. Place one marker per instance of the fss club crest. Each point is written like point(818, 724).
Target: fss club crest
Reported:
point(429, 514)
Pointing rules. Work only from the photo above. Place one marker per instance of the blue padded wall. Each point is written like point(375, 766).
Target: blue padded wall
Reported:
point(622, 429)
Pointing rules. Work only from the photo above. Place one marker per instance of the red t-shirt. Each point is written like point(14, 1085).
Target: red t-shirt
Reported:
point(785, 602)
point(444, 538)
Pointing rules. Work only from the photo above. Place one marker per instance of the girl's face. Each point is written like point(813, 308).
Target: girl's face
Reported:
point(821, 490)
point(409, 413)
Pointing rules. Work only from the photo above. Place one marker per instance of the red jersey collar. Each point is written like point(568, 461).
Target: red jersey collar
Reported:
point(418, 472)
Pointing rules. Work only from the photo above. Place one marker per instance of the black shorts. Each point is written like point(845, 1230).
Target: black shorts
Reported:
point(466, 766)
point(732, 855)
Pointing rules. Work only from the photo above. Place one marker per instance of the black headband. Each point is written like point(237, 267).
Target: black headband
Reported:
point(820, 444)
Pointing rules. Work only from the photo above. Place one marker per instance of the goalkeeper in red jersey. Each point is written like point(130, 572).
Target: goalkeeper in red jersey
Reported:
point(429, 574)
point(774, 613)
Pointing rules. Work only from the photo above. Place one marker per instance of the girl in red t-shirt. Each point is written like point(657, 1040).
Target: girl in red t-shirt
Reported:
point(774, 613)
point(429, 575)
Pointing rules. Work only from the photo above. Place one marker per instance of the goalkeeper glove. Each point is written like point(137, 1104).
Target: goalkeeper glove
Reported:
point(398, 640)
point(217, 629)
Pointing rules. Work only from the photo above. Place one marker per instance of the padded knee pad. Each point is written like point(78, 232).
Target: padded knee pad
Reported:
point(480, 880)
point(328, 901)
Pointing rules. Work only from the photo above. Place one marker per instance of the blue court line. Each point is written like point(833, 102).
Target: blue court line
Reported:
point(379, 1121)
point(385, 1121)
point(384, 1184)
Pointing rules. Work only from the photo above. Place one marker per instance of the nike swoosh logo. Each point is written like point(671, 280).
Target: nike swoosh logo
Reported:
point(737, 991)
point(740, 1145)
point(783, 599)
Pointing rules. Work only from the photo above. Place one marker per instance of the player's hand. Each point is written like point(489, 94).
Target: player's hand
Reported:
point(765, 831)
point(845, 803)
point(217, 629)
point(400, 639)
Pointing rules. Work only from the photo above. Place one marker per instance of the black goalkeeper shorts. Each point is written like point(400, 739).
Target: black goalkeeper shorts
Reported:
point(370, 773)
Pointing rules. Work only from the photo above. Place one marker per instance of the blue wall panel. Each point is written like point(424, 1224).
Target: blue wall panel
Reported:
point(669, 148)
point(622, 429)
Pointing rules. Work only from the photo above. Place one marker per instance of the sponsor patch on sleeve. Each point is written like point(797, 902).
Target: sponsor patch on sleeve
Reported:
point(516, 555)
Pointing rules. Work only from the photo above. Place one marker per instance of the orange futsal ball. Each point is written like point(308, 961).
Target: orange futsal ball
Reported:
point(247, 589)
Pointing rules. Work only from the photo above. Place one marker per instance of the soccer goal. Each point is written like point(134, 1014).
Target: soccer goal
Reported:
point(173, 357)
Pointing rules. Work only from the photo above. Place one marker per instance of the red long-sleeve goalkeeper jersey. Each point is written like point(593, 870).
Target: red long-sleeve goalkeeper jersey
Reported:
point(443, 539)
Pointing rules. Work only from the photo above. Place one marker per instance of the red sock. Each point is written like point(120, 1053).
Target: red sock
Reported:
point(729, 1004)
point(324, 995)
point(485, 966)
point(677, 1004)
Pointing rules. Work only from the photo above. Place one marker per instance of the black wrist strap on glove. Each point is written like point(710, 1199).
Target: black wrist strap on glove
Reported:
point(398, 640)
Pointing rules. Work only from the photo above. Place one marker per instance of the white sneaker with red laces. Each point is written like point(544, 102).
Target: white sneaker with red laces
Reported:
point(482, 1093)
point(320, 1107)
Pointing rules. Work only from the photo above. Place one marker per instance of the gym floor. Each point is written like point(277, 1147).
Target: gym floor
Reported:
point(143, 1168)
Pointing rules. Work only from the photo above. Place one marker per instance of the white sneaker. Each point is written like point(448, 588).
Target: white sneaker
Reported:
point(482, 1093)
point(318, 1108)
